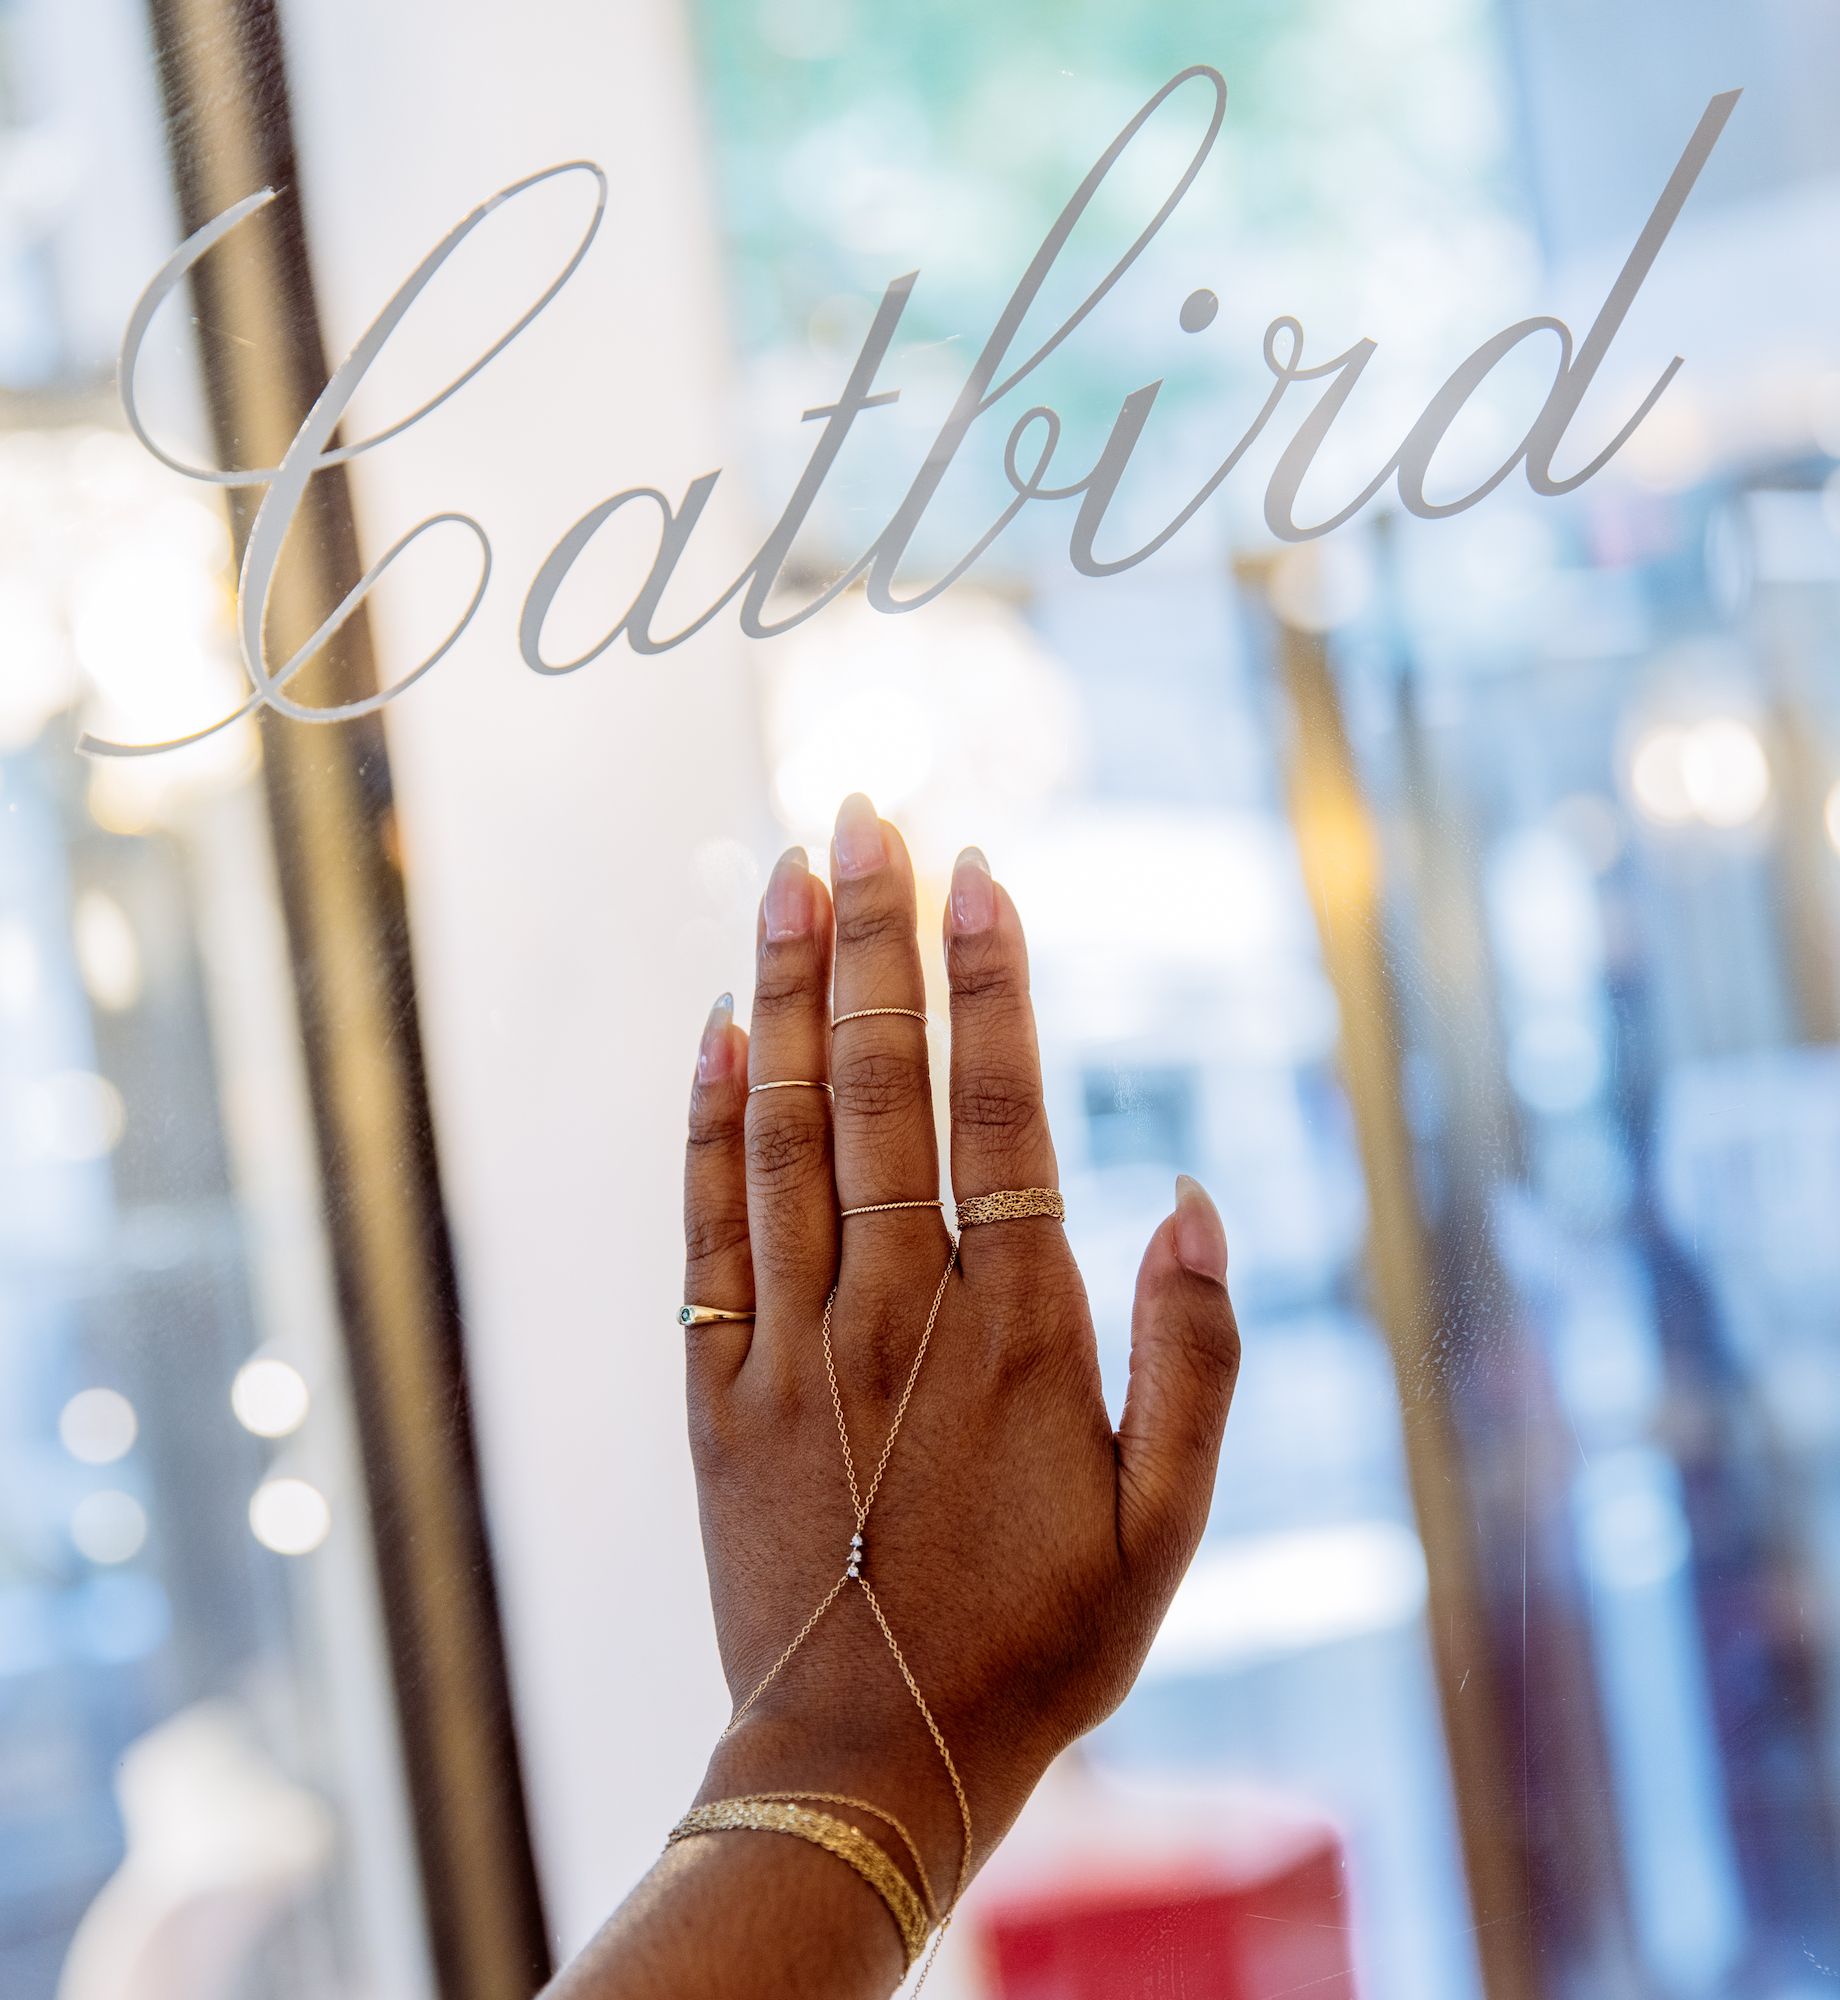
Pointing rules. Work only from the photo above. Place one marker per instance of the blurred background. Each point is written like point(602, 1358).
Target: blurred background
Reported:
point(1459, 900)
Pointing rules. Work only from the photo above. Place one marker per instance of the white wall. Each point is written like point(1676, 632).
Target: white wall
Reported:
point(571, 922)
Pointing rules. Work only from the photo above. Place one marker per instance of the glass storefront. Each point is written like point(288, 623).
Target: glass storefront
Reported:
point(1458, 898)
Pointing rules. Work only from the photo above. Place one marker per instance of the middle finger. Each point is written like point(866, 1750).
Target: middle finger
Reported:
point(886, 1147)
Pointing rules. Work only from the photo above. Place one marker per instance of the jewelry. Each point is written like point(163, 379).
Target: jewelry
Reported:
point(882, 1207)
point(862, 1498)
point(708, 1315)
point(1010, 1205)
point(868, 1013)
point(887, 1818)
point(848, 1843)
point(793, 1083)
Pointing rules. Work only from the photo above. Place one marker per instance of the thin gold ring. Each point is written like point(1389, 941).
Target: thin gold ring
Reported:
point(868, 1013)
point(707, 1315)
point(793, 1083)
point(1011, 1205)
point(882, 1207)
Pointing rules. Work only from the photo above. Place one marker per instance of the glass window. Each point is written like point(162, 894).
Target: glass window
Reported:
point(199, 1764)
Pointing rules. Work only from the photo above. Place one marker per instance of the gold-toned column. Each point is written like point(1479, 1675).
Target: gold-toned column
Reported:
point(1339, 848)
point(328, 792)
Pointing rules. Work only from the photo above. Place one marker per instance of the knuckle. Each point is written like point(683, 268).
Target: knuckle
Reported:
point(785, 984)
point(1043, 1315)
point(712, 1230)
point(877, 1084)
point(784, 1399)
point(714, 1124)
point(1002, 1102)
point(1205, 1343)
point(786, 1153)
point(788, 1263)
point(984, 972)
point(870, 927)
point(1161, 1539)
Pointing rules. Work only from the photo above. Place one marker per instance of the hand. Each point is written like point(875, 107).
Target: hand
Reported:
point(1022, 1550)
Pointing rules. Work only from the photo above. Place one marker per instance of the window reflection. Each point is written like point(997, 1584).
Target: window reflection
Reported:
point(198, 1784)
point(1553, 999)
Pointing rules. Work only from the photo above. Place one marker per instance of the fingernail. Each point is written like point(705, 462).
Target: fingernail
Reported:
point(1201, 1236)
point(789, 896)
point(715, 1054)
point(974, 894)
point(858, 844)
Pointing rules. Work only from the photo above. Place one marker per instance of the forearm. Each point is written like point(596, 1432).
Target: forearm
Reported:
point(756, 1913)
point(742, 1916)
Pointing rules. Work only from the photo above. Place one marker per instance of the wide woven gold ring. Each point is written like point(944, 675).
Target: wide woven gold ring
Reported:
point(707, 1315)
point(1011, 1205)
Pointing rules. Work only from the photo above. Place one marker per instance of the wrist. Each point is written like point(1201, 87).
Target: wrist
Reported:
point(857, 1759)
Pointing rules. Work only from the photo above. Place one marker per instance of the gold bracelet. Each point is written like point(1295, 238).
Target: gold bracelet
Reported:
point(848, 1843)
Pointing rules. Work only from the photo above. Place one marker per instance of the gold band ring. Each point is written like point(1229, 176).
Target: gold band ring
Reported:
point(868, 1013)
point(882, 1207)
point(1011, 1205)
point(707, 1315)
point(793, 1083)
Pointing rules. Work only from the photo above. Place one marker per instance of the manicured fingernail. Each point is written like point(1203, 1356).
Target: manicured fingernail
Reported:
point(715, 1055)
point(974, 894)
point(858, 843)
point(789, 896)
point(1201, 1236)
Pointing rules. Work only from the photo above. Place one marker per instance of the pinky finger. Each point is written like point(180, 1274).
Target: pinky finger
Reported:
point(718, 1267)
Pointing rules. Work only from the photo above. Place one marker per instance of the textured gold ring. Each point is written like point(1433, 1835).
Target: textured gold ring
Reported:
point(883, 1207)
point(869, 1013)
point(1011, 1205)
point(793, 1083)
point(708, 1315)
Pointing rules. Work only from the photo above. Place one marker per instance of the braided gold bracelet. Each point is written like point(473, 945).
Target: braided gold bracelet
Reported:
point(848, 1843)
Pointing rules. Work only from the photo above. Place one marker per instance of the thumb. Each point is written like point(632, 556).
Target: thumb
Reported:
point(1184, 1361)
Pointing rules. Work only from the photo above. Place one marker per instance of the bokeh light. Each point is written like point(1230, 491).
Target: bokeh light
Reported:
point(289, 1516)
point(1658, 779)
point(269, 1397)
point(108, 1527)
point(98, 1426)
point(72, 1117)
point(1715, 771)
point(1726, 773)
point(108, 953)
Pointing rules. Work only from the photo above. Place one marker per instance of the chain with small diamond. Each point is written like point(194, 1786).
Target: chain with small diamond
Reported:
point(861, 1500)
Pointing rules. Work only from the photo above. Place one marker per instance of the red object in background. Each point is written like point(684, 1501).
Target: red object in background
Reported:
point(1194, 1929)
